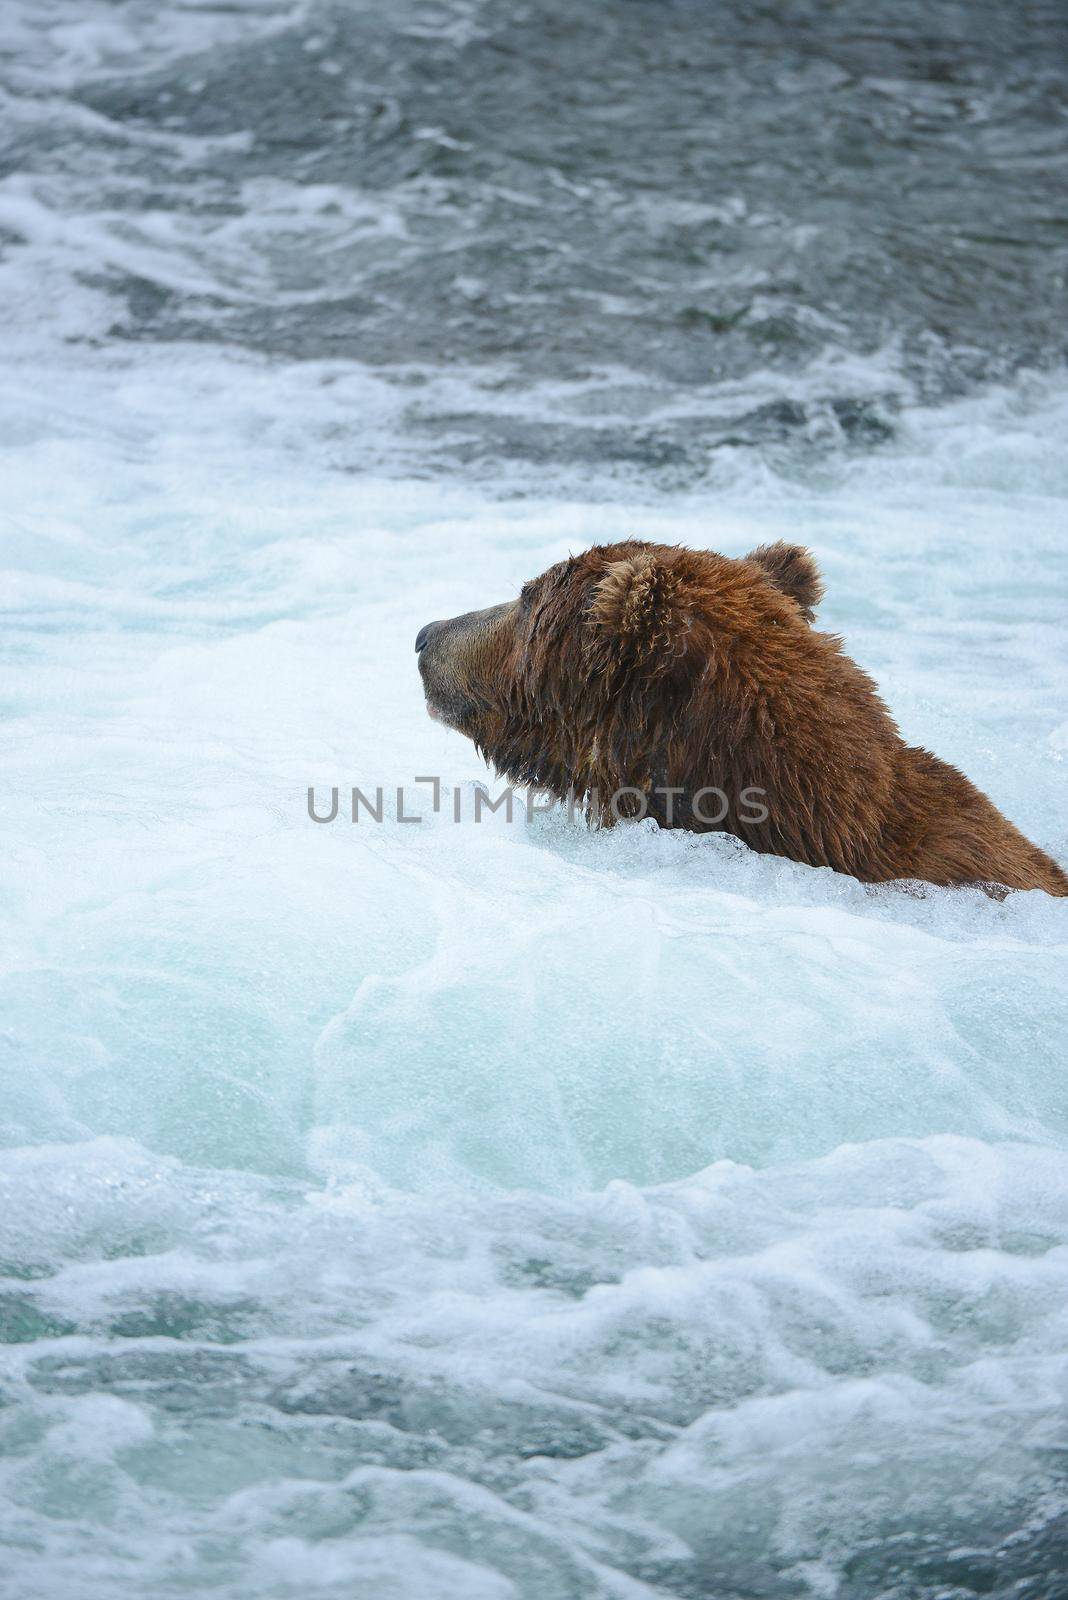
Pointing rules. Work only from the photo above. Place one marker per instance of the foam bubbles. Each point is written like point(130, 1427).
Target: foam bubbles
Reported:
point(500, 1208)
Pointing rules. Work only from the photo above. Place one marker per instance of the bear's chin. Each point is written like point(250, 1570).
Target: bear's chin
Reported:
point(450, 716)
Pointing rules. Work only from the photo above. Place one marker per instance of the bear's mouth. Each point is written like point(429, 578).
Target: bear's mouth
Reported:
point(443, 703)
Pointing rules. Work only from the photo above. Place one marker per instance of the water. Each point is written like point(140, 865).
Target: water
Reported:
point(501, 1211)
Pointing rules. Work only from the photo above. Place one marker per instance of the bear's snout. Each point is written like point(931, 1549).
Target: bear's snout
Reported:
point(459, 661)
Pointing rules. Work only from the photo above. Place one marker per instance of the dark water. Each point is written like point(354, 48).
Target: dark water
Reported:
point(633, 230)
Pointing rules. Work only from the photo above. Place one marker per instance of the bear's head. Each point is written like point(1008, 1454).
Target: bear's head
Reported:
point(599, 674)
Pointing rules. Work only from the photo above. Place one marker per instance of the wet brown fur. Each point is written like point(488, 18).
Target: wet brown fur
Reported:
point(638, 666)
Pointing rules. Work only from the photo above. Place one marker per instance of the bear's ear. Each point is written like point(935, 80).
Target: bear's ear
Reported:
point(639, 613)
point(792, 569)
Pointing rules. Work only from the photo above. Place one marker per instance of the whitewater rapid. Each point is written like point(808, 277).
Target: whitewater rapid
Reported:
point(500, 1208)
point(504, 1210)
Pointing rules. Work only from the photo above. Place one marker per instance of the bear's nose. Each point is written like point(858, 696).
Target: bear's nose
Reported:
point(422, 636)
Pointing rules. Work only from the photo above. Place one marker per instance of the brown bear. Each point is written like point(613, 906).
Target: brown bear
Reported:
point(653, 680)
